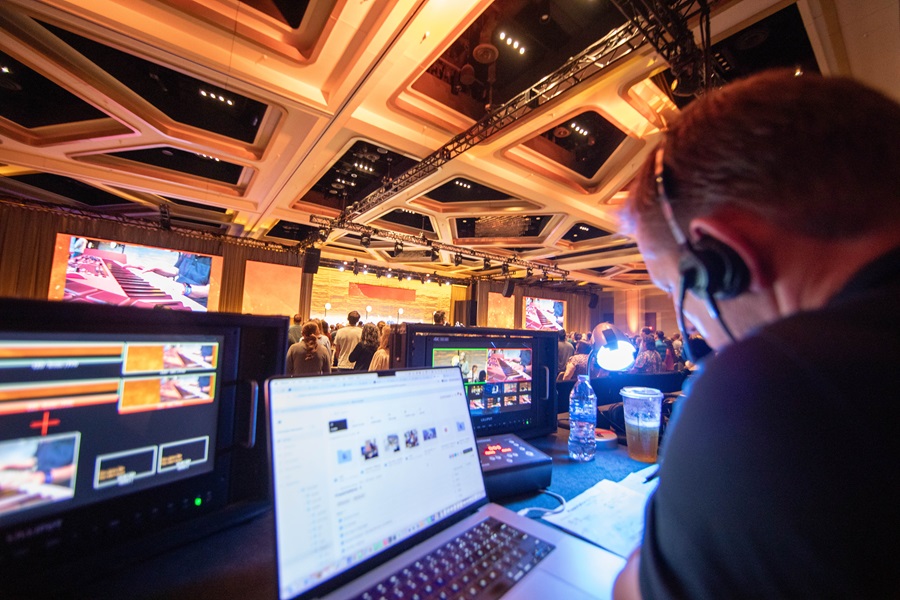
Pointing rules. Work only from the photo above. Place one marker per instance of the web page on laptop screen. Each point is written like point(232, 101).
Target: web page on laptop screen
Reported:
point(362, 462)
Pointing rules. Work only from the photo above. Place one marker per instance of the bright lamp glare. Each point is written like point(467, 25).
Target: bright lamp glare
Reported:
point(616, 360)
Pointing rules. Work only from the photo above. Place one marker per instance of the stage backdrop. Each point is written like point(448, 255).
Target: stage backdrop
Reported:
point(345, 291)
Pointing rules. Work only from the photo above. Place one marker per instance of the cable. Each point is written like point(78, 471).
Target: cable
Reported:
point(542, 512)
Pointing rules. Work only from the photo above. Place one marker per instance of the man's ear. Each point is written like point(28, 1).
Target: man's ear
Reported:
point(745, 236)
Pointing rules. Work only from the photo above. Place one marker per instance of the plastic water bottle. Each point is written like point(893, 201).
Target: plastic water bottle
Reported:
point(582, 420)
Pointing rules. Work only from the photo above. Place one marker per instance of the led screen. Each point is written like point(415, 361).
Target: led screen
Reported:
point(108, 272)
point(545, 314)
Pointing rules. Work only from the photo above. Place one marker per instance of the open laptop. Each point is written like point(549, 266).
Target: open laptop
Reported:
point(378, 490)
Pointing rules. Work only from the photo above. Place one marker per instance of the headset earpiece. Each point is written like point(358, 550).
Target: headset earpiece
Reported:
point(712, 269)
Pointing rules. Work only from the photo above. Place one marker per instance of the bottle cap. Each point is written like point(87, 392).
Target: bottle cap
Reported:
point(606, 439)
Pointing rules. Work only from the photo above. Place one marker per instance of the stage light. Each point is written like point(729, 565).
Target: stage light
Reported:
point(487, 264)
point(504, 268)
point(398, 248)
point(355, 267)
point(613, 351)
point(365, 240)
point(434, 254)
point(457, 259)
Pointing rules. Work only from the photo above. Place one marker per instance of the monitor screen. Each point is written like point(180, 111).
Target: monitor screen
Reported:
point(545, 314)
point(85, 418)
point(100, 271)
point(508, 373)
point(497, 380)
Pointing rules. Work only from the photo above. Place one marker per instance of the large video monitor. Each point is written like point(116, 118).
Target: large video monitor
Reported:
point(118, 425)
point(98, 271)
point(544, 314)
point(508, 373)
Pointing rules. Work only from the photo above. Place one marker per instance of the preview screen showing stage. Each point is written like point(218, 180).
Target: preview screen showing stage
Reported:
point(87, 418)
point(545, 314)
point(497, 380)
point(109, 272)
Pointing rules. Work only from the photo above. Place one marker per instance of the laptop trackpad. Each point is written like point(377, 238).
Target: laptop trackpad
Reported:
point(540, 584)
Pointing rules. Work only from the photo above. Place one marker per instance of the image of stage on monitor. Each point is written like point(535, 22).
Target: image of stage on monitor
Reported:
point(109, 272)
point(496, 379)
point(545, 314)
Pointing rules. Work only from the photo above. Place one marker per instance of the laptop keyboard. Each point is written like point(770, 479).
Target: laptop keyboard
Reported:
point(482, 563)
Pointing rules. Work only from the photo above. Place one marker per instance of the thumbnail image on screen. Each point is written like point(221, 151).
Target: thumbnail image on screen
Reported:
point(109, 272)
point(545, 314)
point(37, 470)
point(496, 379)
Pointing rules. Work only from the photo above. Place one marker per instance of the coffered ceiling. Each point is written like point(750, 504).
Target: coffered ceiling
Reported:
point(247, 118)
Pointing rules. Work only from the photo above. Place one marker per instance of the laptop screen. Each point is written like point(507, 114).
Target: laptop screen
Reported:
point(362, 462)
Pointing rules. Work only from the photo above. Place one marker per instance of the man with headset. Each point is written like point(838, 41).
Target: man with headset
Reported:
point(770, 213)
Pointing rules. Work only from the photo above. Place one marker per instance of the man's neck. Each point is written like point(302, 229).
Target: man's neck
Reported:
point(813, 272)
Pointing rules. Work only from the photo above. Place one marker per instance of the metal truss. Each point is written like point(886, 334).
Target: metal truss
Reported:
point(586, 65)
point(347, 225)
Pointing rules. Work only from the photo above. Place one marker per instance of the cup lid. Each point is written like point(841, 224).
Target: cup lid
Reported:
point(640, 392)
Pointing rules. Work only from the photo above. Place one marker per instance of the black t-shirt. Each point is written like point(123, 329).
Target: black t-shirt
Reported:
point(779, 477)
point(361, 357)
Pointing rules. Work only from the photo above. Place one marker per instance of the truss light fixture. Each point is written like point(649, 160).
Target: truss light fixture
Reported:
point(355, 267)
point(398, 247)
point(435, 254)
point(457, 259)
point(365, 240)
point(389, 273)
point(487, 264)
point(504, 268)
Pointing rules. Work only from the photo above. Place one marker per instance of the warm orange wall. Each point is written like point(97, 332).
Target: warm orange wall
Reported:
point(271, 289)
point(384, 295)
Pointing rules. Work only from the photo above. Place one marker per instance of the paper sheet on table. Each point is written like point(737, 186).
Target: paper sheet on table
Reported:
point(637, 481)
point(608, 514)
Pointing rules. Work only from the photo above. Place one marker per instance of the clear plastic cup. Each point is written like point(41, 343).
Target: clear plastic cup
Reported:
point(642, 408)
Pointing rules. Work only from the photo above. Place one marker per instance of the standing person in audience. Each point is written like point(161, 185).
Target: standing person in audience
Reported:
point(381, 360)
point(648, 359)
point(324, 337)
point(577, 364)
point(669, 360)
point(677, 345)
point(576, 337)
point(770, 212)
point(345, 340)
point(439, 317)
point(564, 352)
point(308, 357)
point(362, 354)
point(295, 332)
point(660, 344)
